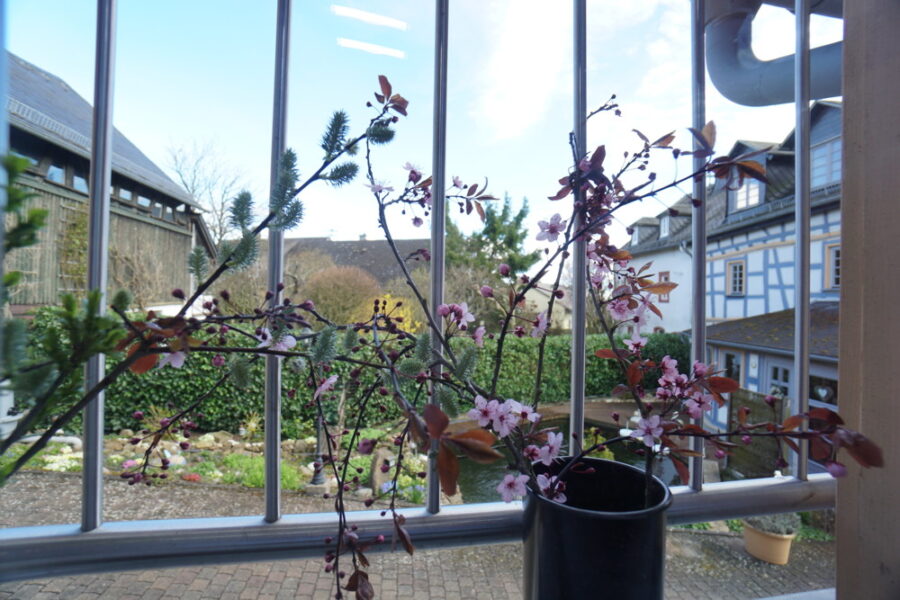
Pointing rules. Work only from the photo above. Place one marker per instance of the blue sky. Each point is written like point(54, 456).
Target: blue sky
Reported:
point(200, 72)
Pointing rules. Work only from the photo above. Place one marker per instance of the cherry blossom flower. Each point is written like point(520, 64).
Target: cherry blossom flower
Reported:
point(414, 173)
point(519, 331)
point(444, 310)
point(325, 386)
point(619, 310)
point(636, 343)
point(698, 404)
point(649, 430)
point(464, 316)
point(503, 422)
point(478, 336)
point(457, 182)
point(522, 412)
point(531, 452)
point(484, 411)
point(551, 230)
point(551, 449)
point(129, 463)
point(669, 367)
point(379, 187)
point(175, 359)
point(552, 488)
point(700, 369)
point(540, 325)
point(282, 344)
point(512, 486)
point(417, 222)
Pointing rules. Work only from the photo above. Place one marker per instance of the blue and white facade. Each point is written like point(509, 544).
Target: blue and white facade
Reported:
point(751, 266)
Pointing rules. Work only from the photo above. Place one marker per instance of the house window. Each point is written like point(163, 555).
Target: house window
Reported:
point(664, 227)
point(144, 202)
point(747, 195)
point(157, 210)
point(125, 194)
point(56, 173)
point(79, 181)
point(733, 366)
point(664, 278)
point(780, 383)
point(735, 271)
point(833, 266)
point(822, 389)
point(825, 162)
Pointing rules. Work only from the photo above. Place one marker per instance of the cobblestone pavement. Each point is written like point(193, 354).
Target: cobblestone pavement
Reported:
point(700, 565)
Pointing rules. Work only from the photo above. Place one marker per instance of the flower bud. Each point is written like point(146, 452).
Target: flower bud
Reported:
point(504, 269)
point(178, 293)
point(137, 415)
point(487, 291)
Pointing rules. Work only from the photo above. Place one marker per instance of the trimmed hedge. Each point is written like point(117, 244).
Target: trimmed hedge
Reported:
point(228, 406)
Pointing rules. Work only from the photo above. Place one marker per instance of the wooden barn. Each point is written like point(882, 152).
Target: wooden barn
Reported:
point(154, 223)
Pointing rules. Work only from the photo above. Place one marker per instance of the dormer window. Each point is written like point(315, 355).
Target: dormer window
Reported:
point(826, 162)
point(746, 196)
point(664, 226)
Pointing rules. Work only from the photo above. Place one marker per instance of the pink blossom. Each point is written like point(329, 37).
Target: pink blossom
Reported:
point(218, 360)
point(512, 486)
point(457, 182)
point(503, 422)
point(552, 488)
point(129, 463)
point(414, 173)
point(444, 310)
point(478, 336)
point(282, 344)
point(417, 222)
point(531, 452)
point(551, 450)
point(379, 187)
point(175, 359)
point(669, 367)
point(698, 404)
point(599, 275)
point(519, 331)
point(522, 412)
point(836, 469)
point(503, 269)
point(484, 411)
point(487, 291)
point(325, 386)
point(551, 230)
point(700, 369)
point(540, 325)
point(464, 316)
point(636, 343)
point(619, 310)
point(649, 430)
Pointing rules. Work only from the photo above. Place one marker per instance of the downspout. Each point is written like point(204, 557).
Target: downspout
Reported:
point(745, 79)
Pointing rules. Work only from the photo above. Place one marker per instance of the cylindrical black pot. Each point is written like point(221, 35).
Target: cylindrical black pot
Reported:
point(602, 543)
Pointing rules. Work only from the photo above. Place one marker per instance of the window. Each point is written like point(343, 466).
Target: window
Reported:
point(125, 194)
point(33, 159)
point(144, 202)
point(733, 366)
point(157, 210)
point(56, 173)
point(79, 181)
point(169, 214)
point(825, 162)
point(747, 195)
point(822, 389)
point(735, 274)
point(664, 278)
point(664, 226)
point(780, 384)
point(832, 266)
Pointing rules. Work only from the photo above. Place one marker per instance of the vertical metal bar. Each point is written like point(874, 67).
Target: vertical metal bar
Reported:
point(98, 245)
point(800, 389)
point(276, 264)
point(4, 148)
point(579, 263)
point(438, 208)
point(698, 222)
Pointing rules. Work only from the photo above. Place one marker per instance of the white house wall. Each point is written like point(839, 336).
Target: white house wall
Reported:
point(677, 311)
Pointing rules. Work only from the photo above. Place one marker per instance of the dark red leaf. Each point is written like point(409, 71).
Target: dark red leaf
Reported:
point(792, 423)
point(472, 189)
point(435, 420)
point(144, 363)
point(480, 210)
point(476, 444)
point(634, 373)
point(865, 451)
point(405, 539)
point(448, 470)
point(683, 472)
point(385, 86)
point(605, 353)
point(827, 415)
point(562, 193)
point(722, 385)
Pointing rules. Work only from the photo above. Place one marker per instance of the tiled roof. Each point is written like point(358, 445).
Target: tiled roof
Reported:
point(374, 256)
point(43, 105)
point(776, 330)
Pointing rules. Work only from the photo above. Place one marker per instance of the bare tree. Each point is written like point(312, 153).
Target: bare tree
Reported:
point(211, 183)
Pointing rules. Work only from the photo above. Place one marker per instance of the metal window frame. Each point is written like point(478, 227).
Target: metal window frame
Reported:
point(94, 546)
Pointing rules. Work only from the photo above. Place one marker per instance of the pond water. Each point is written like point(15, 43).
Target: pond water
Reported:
point(478, 482)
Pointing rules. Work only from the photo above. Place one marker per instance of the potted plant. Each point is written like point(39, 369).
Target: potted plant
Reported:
point(611, 517)
point(769, 537)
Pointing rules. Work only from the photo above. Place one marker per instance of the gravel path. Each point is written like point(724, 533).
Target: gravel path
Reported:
point(700, 565)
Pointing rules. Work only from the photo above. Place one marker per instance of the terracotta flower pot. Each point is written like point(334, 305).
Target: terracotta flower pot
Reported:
point(602, 543)
point(771, 547)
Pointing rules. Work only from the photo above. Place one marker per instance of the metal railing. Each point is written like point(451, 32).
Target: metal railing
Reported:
point(95, 546)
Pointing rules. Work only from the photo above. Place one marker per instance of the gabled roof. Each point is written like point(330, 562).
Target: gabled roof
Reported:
point(776, 330)
point(815, 112)
point(374, 256)
point(45, 106)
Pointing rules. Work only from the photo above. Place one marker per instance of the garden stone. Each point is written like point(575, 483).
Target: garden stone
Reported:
point(176, 460)
point(222, 437)
point(205, 442)
point(319, 489)
point(302, 447)
point(362, 493)
point(126, 433)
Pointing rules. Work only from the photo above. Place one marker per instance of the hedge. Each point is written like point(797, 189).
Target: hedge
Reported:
point(227, 407)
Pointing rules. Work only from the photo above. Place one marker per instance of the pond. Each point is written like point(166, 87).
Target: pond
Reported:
point(478, 482)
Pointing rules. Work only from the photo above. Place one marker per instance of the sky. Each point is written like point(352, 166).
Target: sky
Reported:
point(200, 73)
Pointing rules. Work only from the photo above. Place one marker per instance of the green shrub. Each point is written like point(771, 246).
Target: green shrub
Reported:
point(250, 471)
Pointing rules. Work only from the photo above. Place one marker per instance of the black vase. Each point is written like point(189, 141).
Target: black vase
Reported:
point(602, 543)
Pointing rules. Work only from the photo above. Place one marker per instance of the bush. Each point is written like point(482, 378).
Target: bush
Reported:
point(250, 471)
point(343, 294)
point(782, 524)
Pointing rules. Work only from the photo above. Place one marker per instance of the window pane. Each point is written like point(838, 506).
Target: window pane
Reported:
point(157, 209)
point(79, 181)
point(144, 202)
point(125, 194)
point(56, 173)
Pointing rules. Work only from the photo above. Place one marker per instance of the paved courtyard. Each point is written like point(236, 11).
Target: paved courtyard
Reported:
point(700, 565)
